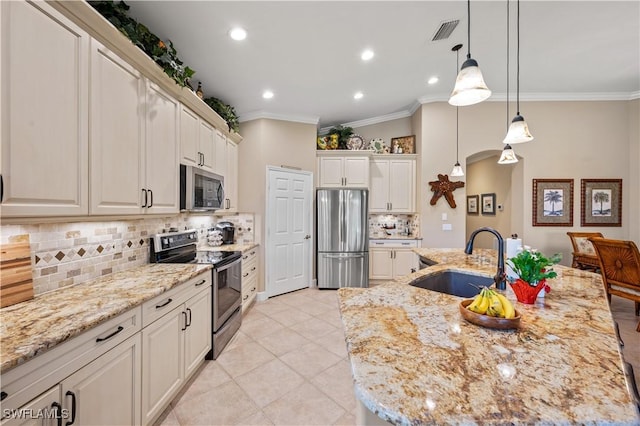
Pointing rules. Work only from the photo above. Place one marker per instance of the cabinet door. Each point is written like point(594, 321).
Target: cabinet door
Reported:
point(163, 362)
point(44, 79)
point(220, 155)
point(117, 134)
point(189, 138)
point(198, 334)
point(379, 193)
point(231, 178)
point(161, 151)
point(356, 172)
point(107, 390)
point(49, 404)
point(405, 262)
point(402, 185)
point(330, 172)
point(207, 143)
point(380, 264)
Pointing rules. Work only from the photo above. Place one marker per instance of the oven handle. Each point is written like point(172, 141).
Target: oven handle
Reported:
point(228, 265)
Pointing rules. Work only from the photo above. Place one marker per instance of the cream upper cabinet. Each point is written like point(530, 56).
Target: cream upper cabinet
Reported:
point(231, 179)
point(189, 138)
point(220, 155)
point(161, 157)
point(207, 144)
point(392, 185)
point(44, 78)
point(133, 141)
point(343, 171)
point(117, 135)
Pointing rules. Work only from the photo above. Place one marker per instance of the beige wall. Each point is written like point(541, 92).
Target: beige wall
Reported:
point(485, 177)
point(270, 143)
point(572, 140)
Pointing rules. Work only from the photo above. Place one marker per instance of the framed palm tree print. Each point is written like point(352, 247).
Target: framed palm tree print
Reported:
point(552, 202)
point(601, 202)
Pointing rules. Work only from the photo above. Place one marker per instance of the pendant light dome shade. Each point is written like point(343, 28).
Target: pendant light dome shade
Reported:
point(518, 131)
point(470, 87)
point(457, 170)
point(508, 156)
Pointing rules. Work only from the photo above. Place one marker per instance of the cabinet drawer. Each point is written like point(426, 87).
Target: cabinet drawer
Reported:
point(249, 270)
point(393, 243)
point(249, 255)
point(249, 291)
point(24, 382)
point(167, 301)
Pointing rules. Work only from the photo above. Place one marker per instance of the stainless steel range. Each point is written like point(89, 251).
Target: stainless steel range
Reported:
point(181, 247)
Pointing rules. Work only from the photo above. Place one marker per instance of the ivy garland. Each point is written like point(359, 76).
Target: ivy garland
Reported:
point(164, 54)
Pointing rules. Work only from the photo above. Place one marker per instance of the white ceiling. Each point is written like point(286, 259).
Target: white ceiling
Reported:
point(308, 52)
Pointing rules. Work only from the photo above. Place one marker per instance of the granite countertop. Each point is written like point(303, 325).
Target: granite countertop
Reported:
point(29, 328)
point(416, 361)
point(229, 247)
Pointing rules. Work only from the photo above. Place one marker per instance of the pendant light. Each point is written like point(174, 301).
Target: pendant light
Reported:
point(508, 155)
point(457, 168)
point(470, 87)
point(518, 131)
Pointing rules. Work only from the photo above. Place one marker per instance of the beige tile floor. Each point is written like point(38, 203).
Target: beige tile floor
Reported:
point(288, 365)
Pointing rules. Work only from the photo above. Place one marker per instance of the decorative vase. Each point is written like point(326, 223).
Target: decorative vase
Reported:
point(526, 293)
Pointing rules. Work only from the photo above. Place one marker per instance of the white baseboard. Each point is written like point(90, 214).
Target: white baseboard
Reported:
point(261, 296)
point(314, 283)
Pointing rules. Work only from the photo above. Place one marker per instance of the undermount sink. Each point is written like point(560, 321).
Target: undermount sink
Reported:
point(455, 283)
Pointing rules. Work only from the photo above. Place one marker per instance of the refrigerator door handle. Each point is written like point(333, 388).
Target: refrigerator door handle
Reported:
point(343, 256)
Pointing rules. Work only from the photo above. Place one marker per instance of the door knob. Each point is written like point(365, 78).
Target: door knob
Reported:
point(306, 237)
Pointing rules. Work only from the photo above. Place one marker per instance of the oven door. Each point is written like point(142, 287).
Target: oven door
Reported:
point(227, 281)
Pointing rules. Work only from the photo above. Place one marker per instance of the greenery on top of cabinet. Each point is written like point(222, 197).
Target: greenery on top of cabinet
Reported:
point(226, 111)
point(164, 54)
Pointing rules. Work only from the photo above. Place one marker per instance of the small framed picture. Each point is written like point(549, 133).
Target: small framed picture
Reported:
point(601, 202)
point(552, 202)
point(488, 203)
point(472, 204)
point(406, 144)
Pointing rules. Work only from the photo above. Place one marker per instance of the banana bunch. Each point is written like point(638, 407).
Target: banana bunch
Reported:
point(492, 303)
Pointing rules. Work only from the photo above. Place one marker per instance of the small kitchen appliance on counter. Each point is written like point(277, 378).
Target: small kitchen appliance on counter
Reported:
point(228, 232)
point(226, 299)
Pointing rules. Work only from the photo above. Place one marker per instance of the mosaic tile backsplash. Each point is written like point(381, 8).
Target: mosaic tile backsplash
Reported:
point(63, 254)
point(391, 225)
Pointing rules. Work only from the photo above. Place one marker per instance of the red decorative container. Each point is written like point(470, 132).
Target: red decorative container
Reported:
point(526, 293)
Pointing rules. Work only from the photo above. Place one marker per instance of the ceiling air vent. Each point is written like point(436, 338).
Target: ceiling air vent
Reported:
point(445, 30)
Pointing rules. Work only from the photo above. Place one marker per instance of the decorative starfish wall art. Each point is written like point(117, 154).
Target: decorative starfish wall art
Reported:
point(443, 186)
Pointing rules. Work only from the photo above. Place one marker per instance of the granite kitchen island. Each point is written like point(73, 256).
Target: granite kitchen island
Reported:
point(416, 361)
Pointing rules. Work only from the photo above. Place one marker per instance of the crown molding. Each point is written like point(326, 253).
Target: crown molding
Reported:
point(256, 115)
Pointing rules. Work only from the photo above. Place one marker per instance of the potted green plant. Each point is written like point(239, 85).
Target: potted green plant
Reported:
point(533, 269)
point(343, 134)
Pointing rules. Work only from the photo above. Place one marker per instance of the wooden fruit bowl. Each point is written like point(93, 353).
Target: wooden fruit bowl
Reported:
point(486, 320)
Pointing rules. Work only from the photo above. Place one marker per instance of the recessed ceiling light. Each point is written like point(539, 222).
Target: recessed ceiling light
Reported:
point(367, 54)
point(268, 94)
point(433, 80)
point(238, 34)
point(358, 95)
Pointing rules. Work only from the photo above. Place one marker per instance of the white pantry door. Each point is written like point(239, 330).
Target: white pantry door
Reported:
point(288, 253)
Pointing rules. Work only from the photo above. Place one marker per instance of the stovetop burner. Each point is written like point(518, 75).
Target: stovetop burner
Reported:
point(216, 257)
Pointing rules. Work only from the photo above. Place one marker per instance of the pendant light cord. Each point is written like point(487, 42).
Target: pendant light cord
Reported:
point(518, 63)
point(508, 66)
point(468, 30)
point(457, 109)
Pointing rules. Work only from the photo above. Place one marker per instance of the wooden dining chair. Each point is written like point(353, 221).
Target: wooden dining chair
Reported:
point(620, 268)
point(584, 255)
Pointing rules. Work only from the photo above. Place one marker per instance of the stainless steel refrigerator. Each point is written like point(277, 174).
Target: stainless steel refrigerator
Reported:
point(343, 238)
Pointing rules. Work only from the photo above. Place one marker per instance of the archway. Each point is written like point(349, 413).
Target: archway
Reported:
point(500, 202)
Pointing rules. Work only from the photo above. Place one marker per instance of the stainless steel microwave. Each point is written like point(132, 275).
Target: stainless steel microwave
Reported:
point(200, 190)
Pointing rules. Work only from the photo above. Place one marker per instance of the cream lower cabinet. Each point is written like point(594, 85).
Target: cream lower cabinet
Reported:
point(93, 379)
point(133, 140)
point(343, 170)
point(174, 344)
point(392, 185)
point(249, 278)
point(107, 391)
point(391, 259)
point(44, 120)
